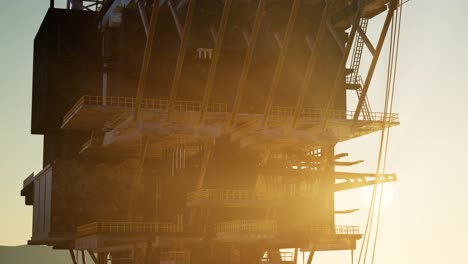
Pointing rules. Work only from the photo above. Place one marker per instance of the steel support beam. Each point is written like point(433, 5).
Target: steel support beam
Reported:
point(76, 4)
point(102, 258)
point(366, 40)
point(338, 39)
point(281, 59)
point(181, 57)
point(176, 18)
point(341, 71)
point(350, 211)
point(311, 64)
point(356, 176)
point(144, 17)
point(327, 180)
point(252, 42)
point(149, 245)
point(214, 62)
point(296, 250)
point(311, 256)
point(348, 163)
point(93, 257)
point(146, 61)
point(204, 165)
point(137, 183)
point(358, 184)
point(394, 5)
point(72, 255)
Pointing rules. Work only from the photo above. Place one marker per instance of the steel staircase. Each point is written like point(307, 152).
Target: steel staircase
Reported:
point(354, 79)
point(366, 109)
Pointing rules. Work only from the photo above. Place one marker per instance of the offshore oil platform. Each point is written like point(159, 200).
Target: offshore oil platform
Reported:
point(200, 131)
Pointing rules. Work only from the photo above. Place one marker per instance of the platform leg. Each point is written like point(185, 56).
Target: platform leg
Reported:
point(311, 256)
point(72, 255)
point(93, 257)
point(148, 251)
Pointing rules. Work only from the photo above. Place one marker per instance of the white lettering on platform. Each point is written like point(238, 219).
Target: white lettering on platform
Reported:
point(205, 53)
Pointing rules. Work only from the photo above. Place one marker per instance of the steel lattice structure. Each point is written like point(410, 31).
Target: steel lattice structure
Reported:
point(200, 131)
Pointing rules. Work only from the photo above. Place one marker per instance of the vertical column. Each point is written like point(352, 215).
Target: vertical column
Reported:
point(235, 257)
point(311, 256)
point(296, 252)
point(106, 57)
point(102, 258)
point(149, 250)
point(73, 257)
point(328, 181)
point(77, 4)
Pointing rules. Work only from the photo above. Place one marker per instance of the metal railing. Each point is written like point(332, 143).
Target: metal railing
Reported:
point(158, 105)
point(314, 114)
point(126, 227)
point(271, 227)
point(246, 226)
point(286, 257)
point(330, 230)
point(89, 5)
point(228, 195)
point(278, 113)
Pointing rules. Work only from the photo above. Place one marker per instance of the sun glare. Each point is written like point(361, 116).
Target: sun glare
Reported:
point(387, 198)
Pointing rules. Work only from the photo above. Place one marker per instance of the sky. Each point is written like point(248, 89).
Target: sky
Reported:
point(426, 222)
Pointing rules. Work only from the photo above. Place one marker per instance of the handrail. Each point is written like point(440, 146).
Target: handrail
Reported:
point(146, 104)
point(265, 226)
point(330, 230)
point(277, 112)
point(286, 256)
point(126, 227)
point(246, 226)
point(227, 194)
point(310, 114)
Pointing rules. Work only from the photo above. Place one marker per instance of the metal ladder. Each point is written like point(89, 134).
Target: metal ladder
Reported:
point(366, 109)
point(354, 77)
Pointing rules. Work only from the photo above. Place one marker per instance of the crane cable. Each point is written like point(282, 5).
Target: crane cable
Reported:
point(399, 15)
point(370, 219)
point(382, 148)
point(391, 74)
point(366, 236)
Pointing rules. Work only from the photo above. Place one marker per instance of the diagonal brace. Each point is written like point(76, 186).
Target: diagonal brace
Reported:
point(366, 40)
point(281, 59)
point(214, 62)
point(146, 61)
point(181, 57)
point(311, 64)
point(383, 34)
point(252, 41)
